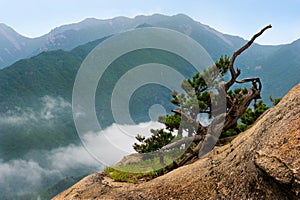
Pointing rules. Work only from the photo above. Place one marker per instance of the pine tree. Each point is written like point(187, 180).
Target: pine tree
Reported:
point(204, 94)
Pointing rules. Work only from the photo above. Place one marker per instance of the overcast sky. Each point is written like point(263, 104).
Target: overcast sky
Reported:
point(237, 17)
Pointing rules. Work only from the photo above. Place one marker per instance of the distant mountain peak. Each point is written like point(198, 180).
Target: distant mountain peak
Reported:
point(144, 25)
point(11, 36)
point(2, 25)
point(69, 36)
point(181, 15)
point(7, 29)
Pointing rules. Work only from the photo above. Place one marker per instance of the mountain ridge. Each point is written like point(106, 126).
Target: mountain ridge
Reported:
point(69, 36)
point(258, 60)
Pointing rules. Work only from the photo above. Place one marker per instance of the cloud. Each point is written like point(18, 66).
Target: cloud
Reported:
point(39, 170)
point(110, 145)
point(258, 68)
point(21, 176)
point(51, 108)
point(17, 117)
point(53, 105)
point(65, 158)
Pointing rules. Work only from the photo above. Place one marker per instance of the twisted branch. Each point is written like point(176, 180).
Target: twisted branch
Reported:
point(235, 74)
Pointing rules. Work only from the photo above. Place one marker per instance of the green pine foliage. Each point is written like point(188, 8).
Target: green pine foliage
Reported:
point(196, 99)
point(172, 122)
point(158, 139)
point(251, 115)
point(199, 97)
point(275, 101)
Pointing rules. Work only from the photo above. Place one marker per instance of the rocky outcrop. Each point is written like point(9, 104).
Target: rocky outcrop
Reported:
point(261, 163)
point(130, 159)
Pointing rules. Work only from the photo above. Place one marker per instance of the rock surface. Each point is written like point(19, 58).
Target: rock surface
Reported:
point(130, 159)
point(261, 163)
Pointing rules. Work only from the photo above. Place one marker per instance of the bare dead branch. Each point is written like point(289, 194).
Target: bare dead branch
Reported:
point(254, 81)
point(185, 140)
point(235, 74)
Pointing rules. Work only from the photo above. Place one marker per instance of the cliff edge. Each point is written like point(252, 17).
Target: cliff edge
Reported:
point(261, 163)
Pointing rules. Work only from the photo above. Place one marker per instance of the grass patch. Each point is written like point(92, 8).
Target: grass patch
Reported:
point(144, 170)
point(124, 176)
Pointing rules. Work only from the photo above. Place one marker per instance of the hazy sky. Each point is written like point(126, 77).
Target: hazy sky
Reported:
point(237, 17)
